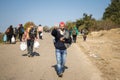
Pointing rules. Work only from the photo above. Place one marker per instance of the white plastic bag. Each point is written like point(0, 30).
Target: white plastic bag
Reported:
point(23, 46)
point(5, 38)
point(36, 44)
point(13, 39)
point(41, 34)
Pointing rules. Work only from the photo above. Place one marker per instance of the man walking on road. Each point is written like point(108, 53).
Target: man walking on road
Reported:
point(30, 36)
point(21, 31)
point(74, 34)
point(61, 52)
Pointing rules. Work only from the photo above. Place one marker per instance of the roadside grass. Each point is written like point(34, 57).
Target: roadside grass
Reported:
point(1, 38)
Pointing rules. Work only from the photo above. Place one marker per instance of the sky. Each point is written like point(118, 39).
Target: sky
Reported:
point(48, 12)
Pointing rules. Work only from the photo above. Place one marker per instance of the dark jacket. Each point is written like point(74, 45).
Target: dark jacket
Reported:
point(60, 44)
point(11, 31)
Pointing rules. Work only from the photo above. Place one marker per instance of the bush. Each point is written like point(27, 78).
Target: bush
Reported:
point(105, 25)
point(1, 37)
point(28, 24)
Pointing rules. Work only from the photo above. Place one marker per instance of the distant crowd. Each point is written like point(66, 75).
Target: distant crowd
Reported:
point(14, 34)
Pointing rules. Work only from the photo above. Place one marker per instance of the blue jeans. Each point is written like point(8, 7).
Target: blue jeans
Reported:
point(61, 59)
point(30, 44)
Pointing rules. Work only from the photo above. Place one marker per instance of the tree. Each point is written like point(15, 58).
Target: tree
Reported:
point(112, 12)
point(79, 22)
point(70, 25)
point(27, 24)
point(46, 29)
point(87, 22)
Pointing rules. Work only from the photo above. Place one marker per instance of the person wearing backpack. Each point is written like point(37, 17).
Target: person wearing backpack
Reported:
point(30, 36)
point(21, 31)
point(84, 33)
point(62, 37)
point(9, 33)
point(74, 34)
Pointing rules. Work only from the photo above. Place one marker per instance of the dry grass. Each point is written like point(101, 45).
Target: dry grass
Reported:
point(103, 49)
point(1, 36)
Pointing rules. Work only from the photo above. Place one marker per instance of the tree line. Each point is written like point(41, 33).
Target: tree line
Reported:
point(110, 19)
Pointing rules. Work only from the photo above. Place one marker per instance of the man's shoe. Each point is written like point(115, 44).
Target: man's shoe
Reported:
point(60, 75)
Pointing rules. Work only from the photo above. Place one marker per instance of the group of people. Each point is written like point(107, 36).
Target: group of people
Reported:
point(14, 32)
point(18, 32)
point(63, 38)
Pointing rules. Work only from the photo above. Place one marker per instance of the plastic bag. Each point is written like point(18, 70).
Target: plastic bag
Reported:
point(23, 46)
point(5, 38)
point(36, 44)
point(41, 34)
point(13, 39)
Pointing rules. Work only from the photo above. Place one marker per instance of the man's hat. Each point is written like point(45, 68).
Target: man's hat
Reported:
point(62, 24)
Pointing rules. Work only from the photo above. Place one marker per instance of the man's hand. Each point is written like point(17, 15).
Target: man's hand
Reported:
point(62, 39)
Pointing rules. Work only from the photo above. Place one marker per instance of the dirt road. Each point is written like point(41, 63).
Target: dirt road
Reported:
point(15, 65)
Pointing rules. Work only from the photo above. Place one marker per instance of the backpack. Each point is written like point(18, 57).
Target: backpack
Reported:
point(32, 33)
point(74, 32)
point(7, 31)
point(68, 39)
point(85, 32)
point(21, 30)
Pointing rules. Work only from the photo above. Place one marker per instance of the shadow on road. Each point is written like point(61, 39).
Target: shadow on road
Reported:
point(55, 67)
point(33, 54)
